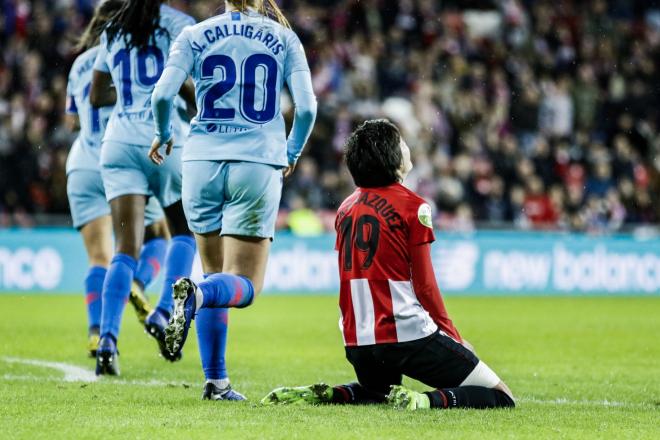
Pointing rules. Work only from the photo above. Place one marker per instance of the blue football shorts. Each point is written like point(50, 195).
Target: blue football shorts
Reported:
point(126, 169)
point(236, 198)
point(87, 199)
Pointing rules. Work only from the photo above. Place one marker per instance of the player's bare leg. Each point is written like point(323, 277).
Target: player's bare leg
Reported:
point(210, 251)
point(243, 261)
point(211, 321)
point(246, 256)
point(128, 223)
point(97, 238)
point(236, 267)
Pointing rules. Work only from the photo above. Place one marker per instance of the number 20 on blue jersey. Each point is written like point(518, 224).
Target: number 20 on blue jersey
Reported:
point(248, 98)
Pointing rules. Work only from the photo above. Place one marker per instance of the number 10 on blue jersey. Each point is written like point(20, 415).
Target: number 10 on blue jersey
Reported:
point(144, 77)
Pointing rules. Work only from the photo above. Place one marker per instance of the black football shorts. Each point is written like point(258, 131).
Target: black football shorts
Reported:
point(436, 360)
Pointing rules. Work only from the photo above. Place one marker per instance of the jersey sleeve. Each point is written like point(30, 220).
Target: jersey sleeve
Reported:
point(100, 63)
point(181, 53)
point(302, 92)
point(178, 24)
point(337, 230)
point(295, 56)
point(71, 108)
point(427, 291)
point(420, 224)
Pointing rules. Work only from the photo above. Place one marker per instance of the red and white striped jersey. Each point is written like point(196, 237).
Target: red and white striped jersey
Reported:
point(375, 229)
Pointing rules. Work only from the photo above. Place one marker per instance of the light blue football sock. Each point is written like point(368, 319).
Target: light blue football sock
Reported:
point(212, 338)
point(178, 264)
point(151, 260)
point(116, 289)
point(93, 294)
point(226, 290)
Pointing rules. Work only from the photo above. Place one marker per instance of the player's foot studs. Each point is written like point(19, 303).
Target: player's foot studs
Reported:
point(107, 357)
point(309, 394)
point(183, 292)
point(155, 326)
point(403, 398)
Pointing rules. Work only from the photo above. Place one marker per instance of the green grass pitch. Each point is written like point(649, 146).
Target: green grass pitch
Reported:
point(580, 368)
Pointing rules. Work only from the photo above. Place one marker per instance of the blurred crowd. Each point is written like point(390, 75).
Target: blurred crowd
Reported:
point(537, 114)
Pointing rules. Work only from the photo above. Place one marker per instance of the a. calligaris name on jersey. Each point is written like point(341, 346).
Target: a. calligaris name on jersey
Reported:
point(27, 268)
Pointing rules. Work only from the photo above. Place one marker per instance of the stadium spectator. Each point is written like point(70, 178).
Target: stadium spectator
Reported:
point(565, 92)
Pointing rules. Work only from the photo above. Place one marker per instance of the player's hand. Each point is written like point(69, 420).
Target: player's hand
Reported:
point(288, 171)
point(155, 155)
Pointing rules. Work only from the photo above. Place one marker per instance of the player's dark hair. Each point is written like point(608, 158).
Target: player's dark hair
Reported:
point(265, 7)
point(373, 154)
point(102, 14)
point(137, 22)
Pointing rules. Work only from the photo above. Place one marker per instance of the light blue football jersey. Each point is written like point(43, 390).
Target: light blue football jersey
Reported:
point(239, 63)
point(85, 152)
point(135, 73)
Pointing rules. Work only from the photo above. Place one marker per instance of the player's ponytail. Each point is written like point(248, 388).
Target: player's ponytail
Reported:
point(270, 9)
point(267, 8)
point(102, 14)
point(136, 22)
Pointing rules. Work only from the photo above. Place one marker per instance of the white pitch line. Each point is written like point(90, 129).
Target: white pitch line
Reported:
point(72, 373)
point(109, 380)
point(564, 401)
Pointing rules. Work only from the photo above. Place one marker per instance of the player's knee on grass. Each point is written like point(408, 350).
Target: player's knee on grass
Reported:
point(481, 389)
point(482, 375)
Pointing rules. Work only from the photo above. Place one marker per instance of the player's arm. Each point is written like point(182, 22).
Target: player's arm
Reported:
point(162, 99)
point(72, 122)
point(426, 288)
point(299, 81)
point(171, 83)
point(187, 92)
point(420, 237)
point(71, 119)
point(102, 93)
